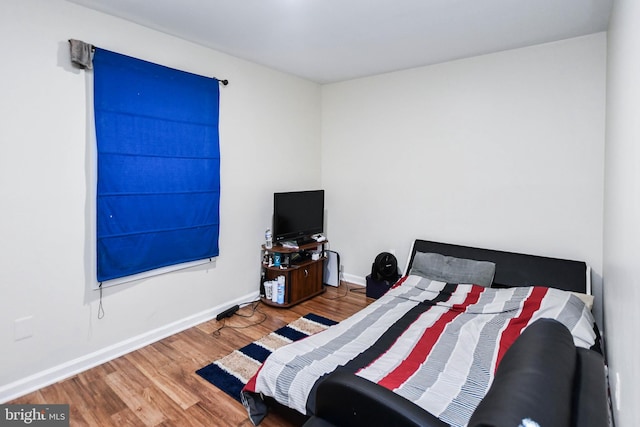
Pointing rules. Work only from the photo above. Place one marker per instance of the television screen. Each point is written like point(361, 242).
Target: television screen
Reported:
point(297, 215)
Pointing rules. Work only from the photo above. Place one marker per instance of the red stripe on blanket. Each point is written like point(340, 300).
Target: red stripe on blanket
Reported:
point(399, 282)
point(251, 384)
point(518, 323)
point(426, 342)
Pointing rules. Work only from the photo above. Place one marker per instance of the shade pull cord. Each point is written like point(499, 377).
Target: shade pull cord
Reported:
point(100, 308)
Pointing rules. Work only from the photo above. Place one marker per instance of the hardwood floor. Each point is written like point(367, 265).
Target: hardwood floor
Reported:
point(157, 385)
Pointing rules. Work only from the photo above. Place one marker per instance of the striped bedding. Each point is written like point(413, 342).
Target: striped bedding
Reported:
point(435, 344)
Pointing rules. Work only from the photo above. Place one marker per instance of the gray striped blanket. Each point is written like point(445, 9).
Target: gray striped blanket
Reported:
point(435, 344)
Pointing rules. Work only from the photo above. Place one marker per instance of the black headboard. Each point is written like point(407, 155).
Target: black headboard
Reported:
point(514, 269)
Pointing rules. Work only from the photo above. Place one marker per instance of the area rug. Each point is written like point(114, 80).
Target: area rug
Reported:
point(233, 371)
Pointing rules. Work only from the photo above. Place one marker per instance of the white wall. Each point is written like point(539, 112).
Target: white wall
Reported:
point(622, 211)
point(46, 190)
point(502, 151)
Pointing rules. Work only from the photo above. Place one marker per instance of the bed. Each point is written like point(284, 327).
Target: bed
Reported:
point(437, 338)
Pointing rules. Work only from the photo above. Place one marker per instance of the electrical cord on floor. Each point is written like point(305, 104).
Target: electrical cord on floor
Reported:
point(346, 291)
point(254, 309)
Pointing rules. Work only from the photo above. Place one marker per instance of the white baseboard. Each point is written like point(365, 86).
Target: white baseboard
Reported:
point(352, 278)
point(65, 370)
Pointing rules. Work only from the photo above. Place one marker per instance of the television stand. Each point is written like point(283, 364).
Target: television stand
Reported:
point(305, 240)
point(295, 244)
point(302, 274)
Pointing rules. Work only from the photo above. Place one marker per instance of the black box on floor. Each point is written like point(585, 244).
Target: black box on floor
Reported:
point(377, 288)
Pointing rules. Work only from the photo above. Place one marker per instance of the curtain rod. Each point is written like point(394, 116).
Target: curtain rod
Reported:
point(79, 56)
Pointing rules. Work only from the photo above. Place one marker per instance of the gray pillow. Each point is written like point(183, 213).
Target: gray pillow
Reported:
point(453, 270)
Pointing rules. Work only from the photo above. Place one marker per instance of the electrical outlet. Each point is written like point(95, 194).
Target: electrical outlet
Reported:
point(23, 328)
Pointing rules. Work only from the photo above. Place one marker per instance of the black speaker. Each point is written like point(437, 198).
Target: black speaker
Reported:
point(385, 268)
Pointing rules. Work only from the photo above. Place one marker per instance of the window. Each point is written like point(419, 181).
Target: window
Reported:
point(158, 187)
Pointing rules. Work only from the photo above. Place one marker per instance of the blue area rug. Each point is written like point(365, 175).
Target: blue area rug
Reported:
point(233, 371)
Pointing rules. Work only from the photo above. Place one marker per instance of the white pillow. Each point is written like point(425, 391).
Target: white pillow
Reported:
point(586, 299)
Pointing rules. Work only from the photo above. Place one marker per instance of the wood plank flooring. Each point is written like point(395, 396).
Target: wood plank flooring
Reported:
point(157, 385)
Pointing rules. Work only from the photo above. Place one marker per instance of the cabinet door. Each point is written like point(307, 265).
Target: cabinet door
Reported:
point(305, 280)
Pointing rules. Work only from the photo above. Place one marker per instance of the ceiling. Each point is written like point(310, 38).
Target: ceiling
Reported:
point(328, 41)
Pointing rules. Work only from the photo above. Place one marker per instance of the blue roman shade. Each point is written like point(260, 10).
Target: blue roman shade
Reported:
point(158, 160)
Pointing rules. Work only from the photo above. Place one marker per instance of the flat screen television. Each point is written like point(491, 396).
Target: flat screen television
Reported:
point(297, 215)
